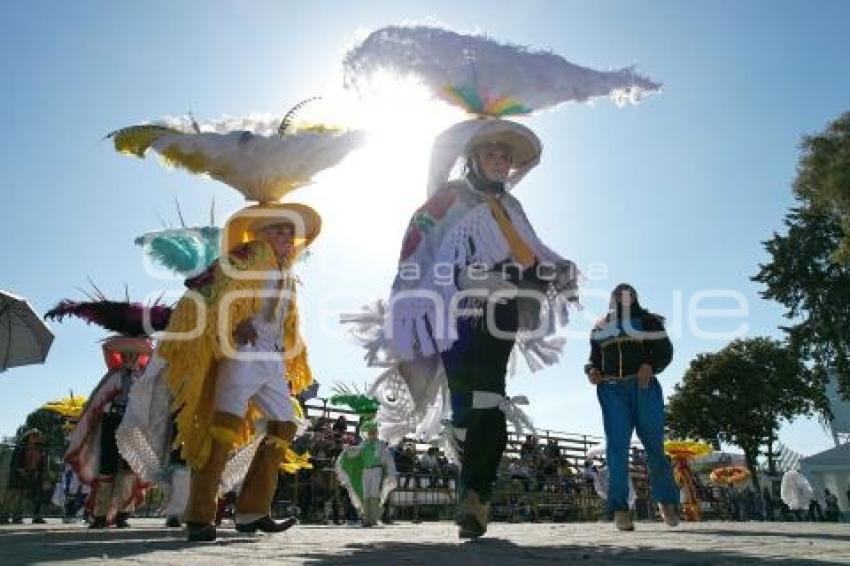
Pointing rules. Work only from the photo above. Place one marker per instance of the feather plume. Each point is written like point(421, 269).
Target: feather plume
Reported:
point(246, 153)
point(185, 251)
point(136, 140)
point(123, 317)
point(486, 77)
point(70, 407)
point(355, 398)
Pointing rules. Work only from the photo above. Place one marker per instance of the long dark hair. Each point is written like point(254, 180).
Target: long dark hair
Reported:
point(615, 307)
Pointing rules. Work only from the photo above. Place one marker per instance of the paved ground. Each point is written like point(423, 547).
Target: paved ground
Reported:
point(436, 544)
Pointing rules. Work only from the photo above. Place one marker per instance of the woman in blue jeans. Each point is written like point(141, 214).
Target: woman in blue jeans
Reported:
point(628, 348)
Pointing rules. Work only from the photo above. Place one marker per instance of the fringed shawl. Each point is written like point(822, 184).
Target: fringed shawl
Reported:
point(453, 229)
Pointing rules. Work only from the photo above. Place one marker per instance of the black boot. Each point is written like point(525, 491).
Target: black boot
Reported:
point(121, 521)
point(98, 523)
point(173, 522)
point(470, 528)
point(200, 532)
point(386, 516)
point(267, 525)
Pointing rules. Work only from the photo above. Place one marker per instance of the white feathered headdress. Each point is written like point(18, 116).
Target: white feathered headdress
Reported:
point(487, 79)
point(262, 159)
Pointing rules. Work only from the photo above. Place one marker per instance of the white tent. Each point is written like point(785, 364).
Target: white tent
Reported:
point(830, 470)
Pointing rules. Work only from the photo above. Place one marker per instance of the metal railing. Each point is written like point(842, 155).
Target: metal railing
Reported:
point(316, 495)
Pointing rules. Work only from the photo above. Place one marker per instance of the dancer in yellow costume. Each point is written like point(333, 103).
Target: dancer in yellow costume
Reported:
point(232, 373)
point(233, 355)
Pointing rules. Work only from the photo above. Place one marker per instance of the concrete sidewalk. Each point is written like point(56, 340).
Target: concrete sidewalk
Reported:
point(436, 544)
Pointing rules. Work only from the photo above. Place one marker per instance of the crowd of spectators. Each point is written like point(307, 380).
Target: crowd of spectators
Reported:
point(530, 472)
point(546, 467)
point(316, 492)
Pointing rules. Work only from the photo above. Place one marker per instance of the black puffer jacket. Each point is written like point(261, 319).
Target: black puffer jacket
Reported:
point(618, 350)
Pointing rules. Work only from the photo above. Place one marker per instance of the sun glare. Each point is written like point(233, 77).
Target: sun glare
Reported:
point(370, 197)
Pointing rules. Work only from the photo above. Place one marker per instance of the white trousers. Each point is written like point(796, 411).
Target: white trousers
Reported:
point(372, 479)
point(178, 496)
point(263, 381)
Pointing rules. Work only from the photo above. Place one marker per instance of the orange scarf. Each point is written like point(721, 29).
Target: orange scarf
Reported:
point(520, 250)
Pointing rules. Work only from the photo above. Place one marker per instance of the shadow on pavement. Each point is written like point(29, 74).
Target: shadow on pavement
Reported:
point(754, 533)
point(27, 546)
point(489, 551)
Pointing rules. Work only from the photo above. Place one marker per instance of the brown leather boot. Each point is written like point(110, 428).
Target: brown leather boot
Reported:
point(102, 500)
point(203, 490)
point(255, 497)
point(623, 521)
point(472, 516)
point(670, 513)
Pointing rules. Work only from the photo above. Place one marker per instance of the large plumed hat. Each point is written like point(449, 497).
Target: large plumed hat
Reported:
point(490, 80)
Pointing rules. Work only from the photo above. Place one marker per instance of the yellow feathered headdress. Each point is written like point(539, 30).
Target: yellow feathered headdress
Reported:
point(264, 162)
point(262, 159)
point(70, 407)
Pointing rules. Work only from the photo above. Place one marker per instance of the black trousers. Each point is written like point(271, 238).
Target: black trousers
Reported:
point(110, 459)
point(478, 361)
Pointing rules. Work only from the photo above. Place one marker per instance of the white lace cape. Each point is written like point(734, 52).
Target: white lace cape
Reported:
point(144, 437)
point(413, 390)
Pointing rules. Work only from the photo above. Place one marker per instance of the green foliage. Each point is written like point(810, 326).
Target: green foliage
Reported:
point(809, 268)
point(823, 178)
point(815, 290)
point(51, 425)
point(741, 394)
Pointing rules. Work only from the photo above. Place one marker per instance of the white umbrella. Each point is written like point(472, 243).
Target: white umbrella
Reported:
point(24, 337)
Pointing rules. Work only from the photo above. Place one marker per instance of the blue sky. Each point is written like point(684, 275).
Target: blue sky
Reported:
point(674, 195)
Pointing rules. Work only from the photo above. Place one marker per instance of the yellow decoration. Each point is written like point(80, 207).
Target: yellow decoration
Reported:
point(730, 475)
point(191, 362)
point(293, 462)
point(519, 248)
point(70, 407)
point(681, 451)
point(687, 449)
point(262, 167)
point(296, 407)
point(136, 140)
point(195, 162)
point(315, 128)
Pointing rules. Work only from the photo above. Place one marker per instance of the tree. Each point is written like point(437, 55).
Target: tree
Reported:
point(823, 178)
point(809, 271)
point(741, 394)
point(51, 426)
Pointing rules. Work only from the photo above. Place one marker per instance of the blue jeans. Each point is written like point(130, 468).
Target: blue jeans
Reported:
point(627, 408)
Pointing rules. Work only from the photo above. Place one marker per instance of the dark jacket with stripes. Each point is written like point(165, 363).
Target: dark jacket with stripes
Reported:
point(618, 348)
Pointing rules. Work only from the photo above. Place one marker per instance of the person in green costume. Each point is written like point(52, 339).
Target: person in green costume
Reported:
point(368, 473)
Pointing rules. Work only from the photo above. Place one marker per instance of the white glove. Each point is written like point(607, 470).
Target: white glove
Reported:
point(476, 277)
